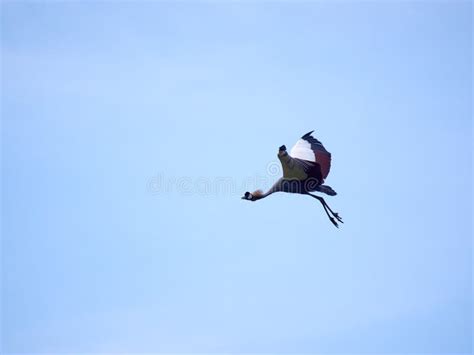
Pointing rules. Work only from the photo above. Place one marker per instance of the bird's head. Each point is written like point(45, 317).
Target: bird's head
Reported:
point(252, 196)
point(247, 196)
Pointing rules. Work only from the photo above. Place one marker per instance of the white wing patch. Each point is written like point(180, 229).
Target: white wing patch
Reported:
point(302, 150)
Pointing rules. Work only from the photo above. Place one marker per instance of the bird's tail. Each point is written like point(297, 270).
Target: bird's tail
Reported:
point(327, 190)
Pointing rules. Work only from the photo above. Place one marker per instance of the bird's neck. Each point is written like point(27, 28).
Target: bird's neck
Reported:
point(259, 196)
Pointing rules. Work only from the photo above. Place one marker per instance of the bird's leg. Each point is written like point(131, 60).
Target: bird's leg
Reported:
point(326, 208)
point(335, 214)
point(320, 199)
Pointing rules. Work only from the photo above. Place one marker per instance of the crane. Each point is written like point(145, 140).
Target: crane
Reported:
point(304, 170)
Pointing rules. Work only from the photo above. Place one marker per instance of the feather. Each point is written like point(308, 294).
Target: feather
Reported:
point(310, 149)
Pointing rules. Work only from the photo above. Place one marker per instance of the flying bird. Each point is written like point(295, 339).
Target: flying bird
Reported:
point(304, 170)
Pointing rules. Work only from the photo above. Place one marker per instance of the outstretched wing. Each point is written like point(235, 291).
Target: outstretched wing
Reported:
point(310, 149)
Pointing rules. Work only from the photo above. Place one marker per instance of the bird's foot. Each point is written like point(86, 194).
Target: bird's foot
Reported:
point(335, 214)
point(282, 148)
point(334, 222)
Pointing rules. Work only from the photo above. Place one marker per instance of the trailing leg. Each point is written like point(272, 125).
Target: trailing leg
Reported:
point(326, 208)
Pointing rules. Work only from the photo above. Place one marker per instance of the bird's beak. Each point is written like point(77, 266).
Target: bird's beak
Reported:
point(243, 198)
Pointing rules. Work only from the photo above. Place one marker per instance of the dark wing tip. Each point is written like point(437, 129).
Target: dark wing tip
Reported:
point(307, 135)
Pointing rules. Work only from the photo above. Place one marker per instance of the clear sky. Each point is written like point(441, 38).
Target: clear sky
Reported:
point(121, 120)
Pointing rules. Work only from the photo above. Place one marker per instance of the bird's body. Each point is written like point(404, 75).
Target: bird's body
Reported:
point(304, 170)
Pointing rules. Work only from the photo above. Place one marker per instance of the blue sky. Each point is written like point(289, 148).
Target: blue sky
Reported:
point(103, 104)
